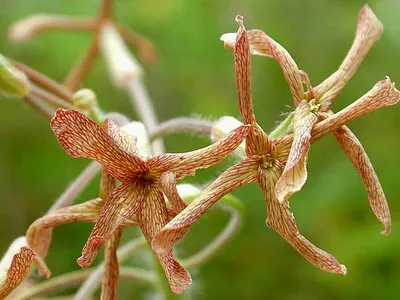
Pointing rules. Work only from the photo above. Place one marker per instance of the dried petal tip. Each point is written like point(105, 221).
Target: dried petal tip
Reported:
point(343, 270)
point(25, 29)
point(13, 82)
point(85, 99)
point(369, 22)
point(239, 20)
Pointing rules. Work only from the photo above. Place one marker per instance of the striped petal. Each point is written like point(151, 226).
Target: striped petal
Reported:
point(152, 216)
point(295, 173)
point(126, 141)
point(236, 176)
point(281, 220)
point(169, 188)
point(123, 204)
point(82, 137)
point(184, 164)
point(369, 30)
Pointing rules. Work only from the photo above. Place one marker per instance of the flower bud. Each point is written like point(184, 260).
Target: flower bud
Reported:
point(122, 65)
point(84, 99)
point(13, 82)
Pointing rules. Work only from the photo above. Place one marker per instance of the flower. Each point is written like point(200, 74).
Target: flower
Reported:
point(314, 105)
point(265, 161)
point(140, 194)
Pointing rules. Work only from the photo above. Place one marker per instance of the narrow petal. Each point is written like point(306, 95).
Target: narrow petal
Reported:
point(39, 233)
point(243, 75)
point(357, 155)
point(152, 216)
point(295, 173)
point(15, 265)
point(257, 141)
point(236, 176)
point(111, 268)
point(81, 137)
point(281, 220)
point(183, 164)
point(262, 44)
point(382, 94)
point(124, 140)
point(369, 30)
point(122, 205)
point(168, 186)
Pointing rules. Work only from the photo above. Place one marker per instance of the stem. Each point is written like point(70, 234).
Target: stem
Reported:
point(283, 128)
point(45, 82)
point(39, 106)
point(76, 187)
point(141, 101)
point(75, 76)
point(93, 282)
point(49, 97)
point(236, 209)
point(106, 10)
point(182, 125)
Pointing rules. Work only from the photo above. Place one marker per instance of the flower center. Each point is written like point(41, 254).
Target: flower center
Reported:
point(267, 161)
point(314, 105)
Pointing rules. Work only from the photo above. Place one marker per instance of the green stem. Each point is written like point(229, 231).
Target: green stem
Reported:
point(285, 127)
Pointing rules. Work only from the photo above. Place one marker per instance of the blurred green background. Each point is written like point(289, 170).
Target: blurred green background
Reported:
point(195, 75)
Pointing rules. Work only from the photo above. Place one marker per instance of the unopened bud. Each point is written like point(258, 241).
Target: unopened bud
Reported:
point(13, 82)
point(122, 65)
point(84, 99)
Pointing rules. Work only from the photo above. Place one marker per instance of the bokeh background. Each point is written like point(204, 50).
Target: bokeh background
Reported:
point(194, 76)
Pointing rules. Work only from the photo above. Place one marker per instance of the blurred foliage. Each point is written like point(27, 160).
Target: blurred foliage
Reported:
point(195, 76)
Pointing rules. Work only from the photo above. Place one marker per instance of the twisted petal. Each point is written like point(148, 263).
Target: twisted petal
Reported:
point(238, 175)
point(357, 155)
point(183, 164)
point(123, 204)
point(168, 186)
point(369, 30)
point(81, 137)
point(111, 272)
point(15, 265)
point(382, 94)
point(280, 219)
point(152, 216)
point(39, 233)
point(243, 75)
point(295, 173)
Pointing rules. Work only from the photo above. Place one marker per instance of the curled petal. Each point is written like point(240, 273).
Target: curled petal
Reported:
point(262, 44)
point(382, 94)
point(81, 137)
point(243, 75)
point(236, 176)
point(369, 30)
point(126, 141)
point(295, 173)
point(152, 216)
point(122, 205)
point(39, 233)
point(168, 186)
point(356, 153)
point(281, 220)
point(111, 268)
point(187, 163)
point(16, 264)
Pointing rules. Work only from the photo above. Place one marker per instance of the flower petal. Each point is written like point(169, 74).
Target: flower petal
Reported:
point(16, 264)
point(81, 137)
point(369, 30)
point(124, 140)
point(262, 44)
point(243, 75)
point(183, 164)
point(39, 233)
point(357, 155)
point(168, 186)
point(152, 216)
point(238, 175)
point(281, 220)
point(122, 205)
point(382, 94)
point(111, 268)
point(295, 173)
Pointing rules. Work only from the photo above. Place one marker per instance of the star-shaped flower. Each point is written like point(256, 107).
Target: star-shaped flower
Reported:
point(143, 181)
point(265, 162)
point(314, 104)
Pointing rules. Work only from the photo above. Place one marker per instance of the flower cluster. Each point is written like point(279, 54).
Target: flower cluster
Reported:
point(140, 189)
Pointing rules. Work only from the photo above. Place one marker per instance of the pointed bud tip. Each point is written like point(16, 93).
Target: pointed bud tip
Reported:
point(343, 270)
point(239, 19)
